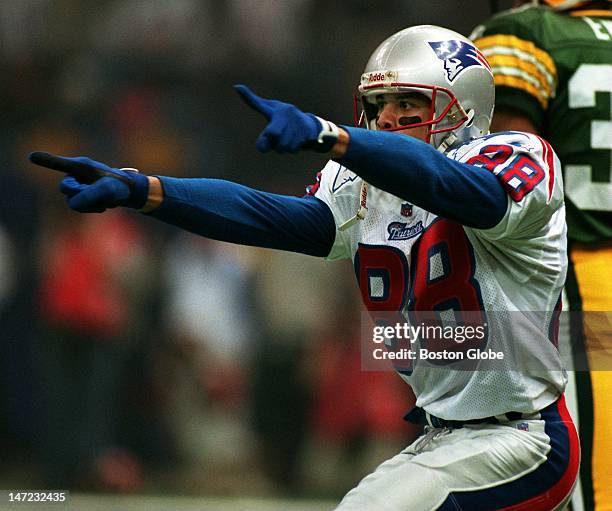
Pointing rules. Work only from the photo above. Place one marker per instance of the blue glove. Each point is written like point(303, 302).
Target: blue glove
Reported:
point(92, 187)
point(289, 129)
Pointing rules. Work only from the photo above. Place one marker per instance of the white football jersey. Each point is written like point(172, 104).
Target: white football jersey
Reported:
point(408, 259)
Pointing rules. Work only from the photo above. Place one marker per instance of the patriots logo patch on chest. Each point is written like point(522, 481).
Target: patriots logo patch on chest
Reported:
point(402, 231)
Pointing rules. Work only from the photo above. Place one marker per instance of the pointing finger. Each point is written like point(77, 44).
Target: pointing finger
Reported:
point(261, 105)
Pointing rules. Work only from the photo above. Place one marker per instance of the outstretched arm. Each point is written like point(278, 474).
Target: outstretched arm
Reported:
point(213, 208)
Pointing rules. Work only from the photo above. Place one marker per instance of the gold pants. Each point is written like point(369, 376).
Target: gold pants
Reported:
point(594, 275)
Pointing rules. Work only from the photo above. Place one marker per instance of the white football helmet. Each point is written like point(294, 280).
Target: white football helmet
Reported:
point(440, 64)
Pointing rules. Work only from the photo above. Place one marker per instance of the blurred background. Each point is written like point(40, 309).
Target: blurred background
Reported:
point(137, 359)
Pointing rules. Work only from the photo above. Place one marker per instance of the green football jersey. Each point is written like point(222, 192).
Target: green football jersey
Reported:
point(556, 68)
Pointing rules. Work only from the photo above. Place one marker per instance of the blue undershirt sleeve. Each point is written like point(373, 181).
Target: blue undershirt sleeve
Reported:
point(414, 171)
point(227, 211)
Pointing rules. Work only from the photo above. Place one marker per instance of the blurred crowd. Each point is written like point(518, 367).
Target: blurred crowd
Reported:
point(134, 357)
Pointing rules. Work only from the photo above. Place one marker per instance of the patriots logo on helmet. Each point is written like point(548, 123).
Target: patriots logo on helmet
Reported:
point(458, 56)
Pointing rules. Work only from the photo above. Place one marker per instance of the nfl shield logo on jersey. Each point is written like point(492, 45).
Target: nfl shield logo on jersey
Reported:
point(458, 56)
point(406, 209)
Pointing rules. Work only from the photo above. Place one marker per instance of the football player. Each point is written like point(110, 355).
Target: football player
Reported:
point(552, 65)
point(436, 215)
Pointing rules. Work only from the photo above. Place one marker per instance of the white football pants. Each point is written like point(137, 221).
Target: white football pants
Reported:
point(529, 465)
